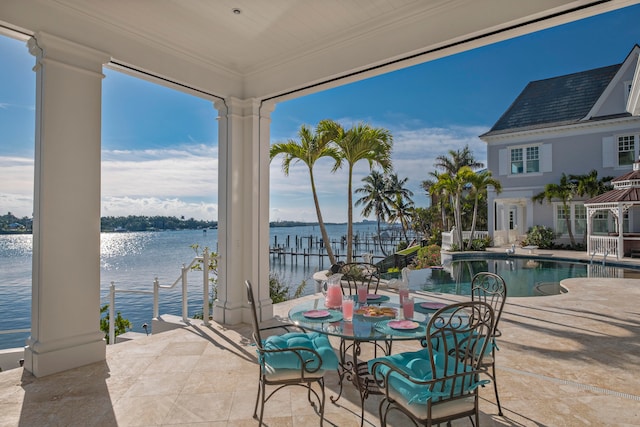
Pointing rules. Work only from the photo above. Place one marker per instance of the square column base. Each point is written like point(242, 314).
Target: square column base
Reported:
point(51, 362)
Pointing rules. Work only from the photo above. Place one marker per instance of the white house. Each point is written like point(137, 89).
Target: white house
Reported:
point(571, 124)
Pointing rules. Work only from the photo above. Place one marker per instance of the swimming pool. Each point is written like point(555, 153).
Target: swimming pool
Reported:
point(525, 277)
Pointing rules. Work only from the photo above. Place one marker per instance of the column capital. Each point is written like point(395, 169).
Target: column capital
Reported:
point(244, 107)
point(47, 47)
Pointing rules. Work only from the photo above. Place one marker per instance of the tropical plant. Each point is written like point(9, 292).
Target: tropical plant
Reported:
point(310, 147)
point(456, 160)
point(540, 236)
point(375, 200)
point(479, 184)
point(279, 292)
point(427, 256)
point(565, 190)
point(361, 142)
point(120, 326)
point(590, 185)
point(401, 203)
point(454, 185)
point(213, 276)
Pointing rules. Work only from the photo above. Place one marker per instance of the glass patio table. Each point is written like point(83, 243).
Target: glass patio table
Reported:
point(365, 327)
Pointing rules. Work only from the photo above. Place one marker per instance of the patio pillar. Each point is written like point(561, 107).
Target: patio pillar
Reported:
point(65, 313)
point(243, 218)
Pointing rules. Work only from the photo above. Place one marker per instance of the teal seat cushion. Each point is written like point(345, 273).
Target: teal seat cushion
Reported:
point(290, 360)
point(417, 366)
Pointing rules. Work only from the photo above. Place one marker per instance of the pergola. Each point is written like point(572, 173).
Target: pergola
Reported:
point(624, 197)
point(244, 56)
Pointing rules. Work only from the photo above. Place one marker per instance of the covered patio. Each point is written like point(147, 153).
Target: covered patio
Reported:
point(244, 58)
point(565, 360)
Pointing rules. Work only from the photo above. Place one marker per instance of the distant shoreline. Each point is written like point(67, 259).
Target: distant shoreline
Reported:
point(274, 224)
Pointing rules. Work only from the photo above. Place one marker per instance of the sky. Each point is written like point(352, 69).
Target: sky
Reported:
point(160, 148)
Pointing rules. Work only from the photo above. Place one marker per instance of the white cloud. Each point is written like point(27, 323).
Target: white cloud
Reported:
point(183, 181)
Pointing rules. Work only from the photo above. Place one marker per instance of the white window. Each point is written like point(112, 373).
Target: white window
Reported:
point(577, 214)
point(600, 223)
point(626, 150)
point(525, 160)
point(620, 150)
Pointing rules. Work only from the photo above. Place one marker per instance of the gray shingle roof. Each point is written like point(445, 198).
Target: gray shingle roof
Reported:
point(555, 101)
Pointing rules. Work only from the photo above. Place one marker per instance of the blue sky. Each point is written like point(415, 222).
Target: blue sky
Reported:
point(159, 146)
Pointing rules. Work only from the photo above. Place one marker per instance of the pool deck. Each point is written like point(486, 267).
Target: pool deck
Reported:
point(564, 360)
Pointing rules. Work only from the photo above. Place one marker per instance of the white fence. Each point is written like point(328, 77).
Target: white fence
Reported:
point(449, 237)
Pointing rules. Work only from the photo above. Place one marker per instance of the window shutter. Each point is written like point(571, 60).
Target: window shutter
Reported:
point(609, 152)
point(503, 161)
point(546, 158)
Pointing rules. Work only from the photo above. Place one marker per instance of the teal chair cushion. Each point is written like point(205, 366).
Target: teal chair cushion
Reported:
point(290, 360)
point(417, 366)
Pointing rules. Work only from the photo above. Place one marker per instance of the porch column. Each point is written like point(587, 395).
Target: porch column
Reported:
point(65, 313)
point(243, 215)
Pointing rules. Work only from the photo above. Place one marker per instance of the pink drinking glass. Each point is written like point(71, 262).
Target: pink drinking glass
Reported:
point(347, 308)
point(404, 293)
point(407, 308)
point(362, 293)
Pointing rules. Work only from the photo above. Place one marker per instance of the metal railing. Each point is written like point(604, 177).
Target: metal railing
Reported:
point(112, 308)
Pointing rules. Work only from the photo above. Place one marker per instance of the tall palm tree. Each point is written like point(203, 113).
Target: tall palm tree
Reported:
point(564, 191)
point(440, 200)
point(375, 200)
point(454, 185)
point(456, 159)
point(361, 142)
point(401, 202)
point(308, 149)
point(402, 211)
point(479, 184)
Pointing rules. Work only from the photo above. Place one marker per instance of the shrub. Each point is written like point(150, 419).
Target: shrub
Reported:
point(427, 256)
point(121, 324)
point(540, 236)
point(279, 292)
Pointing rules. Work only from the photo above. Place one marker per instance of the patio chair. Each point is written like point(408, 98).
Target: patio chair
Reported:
point(290, 359)
point(439, 383)
point(355, 273)
point(492, 289)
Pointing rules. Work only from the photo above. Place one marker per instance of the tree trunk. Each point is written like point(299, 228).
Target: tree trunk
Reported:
point(323, 230)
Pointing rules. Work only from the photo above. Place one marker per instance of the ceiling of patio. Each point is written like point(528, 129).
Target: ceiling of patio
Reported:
point(283, 48)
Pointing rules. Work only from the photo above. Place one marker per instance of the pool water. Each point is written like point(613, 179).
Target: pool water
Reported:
point(525, 277)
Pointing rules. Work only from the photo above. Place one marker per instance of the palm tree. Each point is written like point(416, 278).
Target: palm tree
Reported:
point(454, 185)
point(401, 202)
point(402, 211)
point(361, 142)
point(375, 200)
point(564, 191)
point(310, 147)
point(590, 185)
point(479, 185)
point(456, 160)
point(440, 200)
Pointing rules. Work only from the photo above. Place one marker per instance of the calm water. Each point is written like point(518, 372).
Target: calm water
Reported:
point(133, 260)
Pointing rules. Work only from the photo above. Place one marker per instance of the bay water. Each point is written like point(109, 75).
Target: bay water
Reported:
point(133, 260)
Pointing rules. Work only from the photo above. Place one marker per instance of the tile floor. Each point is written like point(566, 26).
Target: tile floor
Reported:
point(566, 360)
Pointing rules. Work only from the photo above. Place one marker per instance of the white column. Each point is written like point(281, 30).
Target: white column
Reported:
point(65, 314)
point(243, 215)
